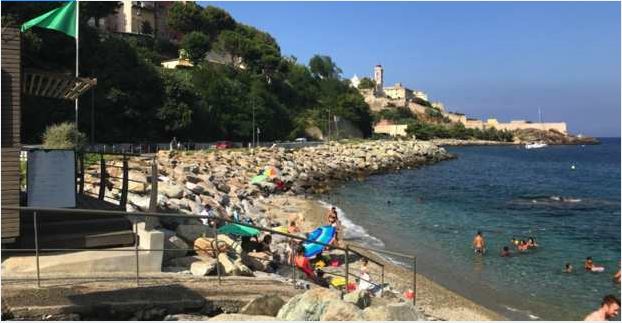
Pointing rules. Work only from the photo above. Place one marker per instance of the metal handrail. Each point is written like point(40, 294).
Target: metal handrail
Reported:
point(347, 249)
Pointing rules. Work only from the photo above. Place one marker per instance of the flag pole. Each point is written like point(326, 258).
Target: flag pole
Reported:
point(77, 60)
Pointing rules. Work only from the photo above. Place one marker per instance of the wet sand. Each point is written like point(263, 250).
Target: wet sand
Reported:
point(435, 300)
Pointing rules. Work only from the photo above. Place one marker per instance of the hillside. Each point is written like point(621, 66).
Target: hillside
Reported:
point(136, 99)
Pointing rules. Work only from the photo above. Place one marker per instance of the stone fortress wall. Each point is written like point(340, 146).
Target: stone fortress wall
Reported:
point(381, 98)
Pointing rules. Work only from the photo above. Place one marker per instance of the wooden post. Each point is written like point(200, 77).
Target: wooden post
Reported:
point(102, 177)
point(124, 186)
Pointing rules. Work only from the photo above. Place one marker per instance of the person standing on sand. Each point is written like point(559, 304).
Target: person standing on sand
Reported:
point(479, 244)
point(609, 308)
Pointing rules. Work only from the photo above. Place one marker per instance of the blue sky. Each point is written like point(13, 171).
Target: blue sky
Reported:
point(485, 59)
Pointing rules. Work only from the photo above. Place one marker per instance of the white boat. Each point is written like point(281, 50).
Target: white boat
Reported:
point(539, 144)
point(535, 145)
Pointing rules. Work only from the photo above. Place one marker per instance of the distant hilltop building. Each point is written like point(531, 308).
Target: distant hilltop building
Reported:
point(398, 95)
point(139, 18)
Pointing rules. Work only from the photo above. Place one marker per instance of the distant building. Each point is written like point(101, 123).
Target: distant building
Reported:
point(379, 78)
point(141, 18)
point(355, 81)
point(213, 57)
point(389, 128)
point(398, 92)
point(421, 95)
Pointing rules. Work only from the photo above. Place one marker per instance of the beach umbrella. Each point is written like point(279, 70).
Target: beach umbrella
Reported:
point(324, 234)
point(240, 230)
point(258, 179)
point(271, 172)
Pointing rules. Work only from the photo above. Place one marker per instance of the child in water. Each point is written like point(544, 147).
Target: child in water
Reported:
point(568, 268)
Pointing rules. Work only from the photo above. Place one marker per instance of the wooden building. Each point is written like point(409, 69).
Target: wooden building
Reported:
point(11, 100)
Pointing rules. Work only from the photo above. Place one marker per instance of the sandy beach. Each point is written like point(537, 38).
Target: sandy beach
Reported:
point(436, 301)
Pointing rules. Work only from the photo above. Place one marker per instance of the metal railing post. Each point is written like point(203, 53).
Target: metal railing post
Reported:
point(81, 187)
point(37, 249)
point(124, 185)
point(102, 177)
point(347, 261)
point(382, 282)
point(414, 281)
point(292, 260)
point(217, 252)
point(136, 241)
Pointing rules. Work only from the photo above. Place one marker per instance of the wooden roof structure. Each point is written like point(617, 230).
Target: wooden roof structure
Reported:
point(55, 85)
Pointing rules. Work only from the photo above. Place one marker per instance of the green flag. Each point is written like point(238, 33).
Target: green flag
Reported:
point(62, 19)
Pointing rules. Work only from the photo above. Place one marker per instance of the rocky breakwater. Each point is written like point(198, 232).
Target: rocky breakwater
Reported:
point(220, 182)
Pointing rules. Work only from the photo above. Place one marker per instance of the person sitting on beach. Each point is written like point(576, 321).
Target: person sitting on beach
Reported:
point(264, 245)
point(505, 252)
point(364, 266)
point(479, 244)
point(301, 262)
point(609, 308)
point(293, 228)
point(522, 246)
point(332, 211)
point(531, 243)
point(567, 268)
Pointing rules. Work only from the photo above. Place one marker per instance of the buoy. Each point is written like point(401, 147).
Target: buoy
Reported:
point(572, 167)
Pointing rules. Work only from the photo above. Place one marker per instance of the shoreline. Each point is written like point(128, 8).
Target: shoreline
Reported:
point(221, 179)
point(435, 300)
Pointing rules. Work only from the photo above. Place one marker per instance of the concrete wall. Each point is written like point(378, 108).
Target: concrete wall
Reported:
point(515, 125)
point(392, 130)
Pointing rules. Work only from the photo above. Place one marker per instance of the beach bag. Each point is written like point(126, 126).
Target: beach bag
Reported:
point(207, 247)
point(320, 264)
point(338, 282)
point(409, 294)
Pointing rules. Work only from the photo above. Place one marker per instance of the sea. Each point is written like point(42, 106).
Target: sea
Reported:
point(566, 197)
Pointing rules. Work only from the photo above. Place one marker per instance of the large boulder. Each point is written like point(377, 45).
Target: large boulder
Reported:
point(207, 247)
point(241, 317)
point(204, 267)
point(175, 246)
point(191, 232)
point(393, 312)
point(185, 317)
point(171, 190)
point(318, 304)
point(137, 182)
point(360, 298)
point(263, 305)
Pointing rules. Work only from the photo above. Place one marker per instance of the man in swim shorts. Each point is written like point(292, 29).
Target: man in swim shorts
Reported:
point(479, 244)
point(609, 308)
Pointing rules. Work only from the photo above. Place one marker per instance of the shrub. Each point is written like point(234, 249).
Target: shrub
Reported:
point(63, 136)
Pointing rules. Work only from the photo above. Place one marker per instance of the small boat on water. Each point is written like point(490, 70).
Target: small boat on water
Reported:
point(535, 145)
point(541, 143)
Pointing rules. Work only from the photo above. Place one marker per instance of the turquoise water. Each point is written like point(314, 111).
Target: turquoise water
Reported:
point(505, 192)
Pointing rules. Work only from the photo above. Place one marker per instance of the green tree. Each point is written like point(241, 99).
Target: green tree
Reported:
point(366, 83)
point(186, 17)
point(196, 45)
point(63, 136)
point(215, 20)
point(323, 67)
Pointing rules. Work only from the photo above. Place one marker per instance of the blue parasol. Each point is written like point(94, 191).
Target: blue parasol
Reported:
point(323, 234)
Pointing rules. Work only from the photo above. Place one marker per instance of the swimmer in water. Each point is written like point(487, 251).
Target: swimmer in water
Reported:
point(479, 244)
point(505, 252)
point(568, 268)
point(531, 243)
